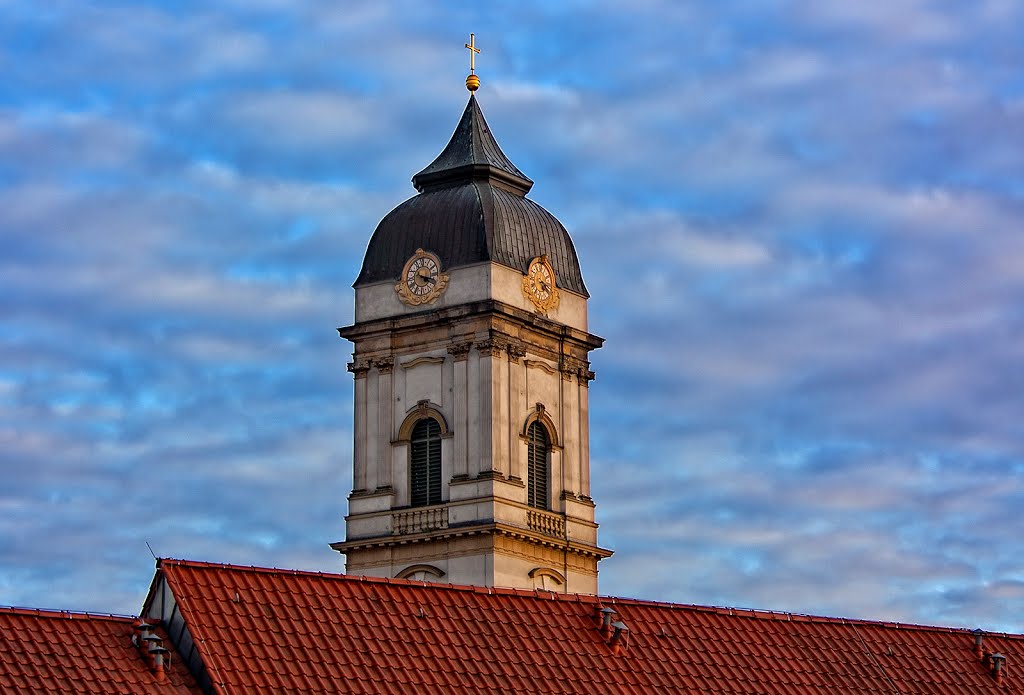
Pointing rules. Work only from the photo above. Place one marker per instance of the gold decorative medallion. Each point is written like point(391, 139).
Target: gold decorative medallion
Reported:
point(539, 284)
point(422, 280)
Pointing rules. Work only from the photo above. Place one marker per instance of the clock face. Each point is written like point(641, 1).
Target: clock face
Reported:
point(421, 277)
point(539, 284)
point(422, 280)
point(540, 281)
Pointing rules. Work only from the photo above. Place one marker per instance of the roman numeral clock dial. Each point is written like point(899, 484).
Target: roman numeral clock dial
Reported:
point(422, 280)
point(539, 284)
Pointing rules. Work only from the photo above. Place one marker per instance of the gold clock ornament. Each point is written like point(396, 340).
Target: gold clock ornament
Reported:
point(539, 284)
point(422, 280)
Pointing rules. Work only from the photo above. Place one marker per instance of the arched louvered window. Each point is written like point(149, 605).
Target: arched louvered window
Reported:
point(425, 463)
point(538, 452)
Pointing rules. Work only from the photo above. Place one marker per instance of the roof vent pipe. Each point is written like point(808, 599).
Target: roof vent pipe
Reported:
point(979, 642)
point(619, 640)
point(998, 666)
point(150, 642)
point(606, 620)
point(158, 654)
point(141, 630)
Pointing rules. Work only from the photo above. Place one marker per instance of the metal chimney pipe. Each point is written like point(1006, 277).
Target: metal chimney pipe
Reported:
point(158, 653)
point(979, 641)
point(621, 635)
point(998, 664)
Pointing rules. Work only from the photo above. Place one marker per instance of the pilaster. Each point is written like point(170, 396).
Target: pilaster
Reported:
point(359, 368)
point(460, 405)
point(385, 412)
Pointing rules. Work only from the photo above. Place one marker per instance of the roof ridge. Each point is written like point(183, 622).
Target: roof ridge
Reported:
point(769, 614)
point(58, 613)
point(540, 594)
point(200, 564)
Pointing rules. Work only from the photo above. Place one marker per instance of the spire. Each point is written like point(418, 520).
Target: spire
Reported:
point(472, 154)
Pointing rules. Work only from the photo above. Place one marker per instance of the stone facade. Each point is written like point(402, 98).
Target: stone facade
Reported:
point(484, 369)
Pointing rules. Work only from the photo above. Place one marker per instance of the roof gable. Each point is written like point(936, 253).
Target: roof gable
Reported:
point(308, 632)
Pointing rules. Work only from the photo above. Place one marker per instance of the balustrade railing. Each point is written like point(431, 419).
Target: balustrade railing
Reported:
point(419, 520)
point(543, 522)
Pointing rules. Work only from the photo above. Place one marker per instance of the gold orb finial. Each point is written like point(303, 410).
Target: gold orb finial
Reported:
point(472, 81)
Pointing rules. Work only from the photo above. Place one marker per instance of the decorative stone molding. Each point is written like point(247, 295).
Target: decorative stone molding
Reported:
point(539, 414)
point(384, 365)
point(573, 367)
point(492, 347)
point(359, 367)
point(570, 367)
point(422, 410)
point(421, 360)
point(516, 350)
point(538, 573)
point(537, 364)
point(423, 570)
point(460, 351)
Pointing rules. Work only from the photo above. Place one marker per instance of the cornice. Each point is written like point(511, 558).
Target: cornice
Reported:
point(462, 312)
point(487, 528)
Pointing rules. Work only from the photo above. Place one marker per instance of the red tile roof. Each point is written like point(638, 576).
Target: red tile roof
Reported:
point(275, 630)
point(60, 652)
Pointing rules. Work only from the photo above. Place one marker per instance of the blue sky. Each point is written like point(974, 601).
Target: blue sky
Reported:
point(799, 223)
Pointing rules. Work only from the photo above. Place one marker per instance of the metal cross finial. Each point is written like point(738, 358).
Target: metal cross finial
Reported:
point(473, 50)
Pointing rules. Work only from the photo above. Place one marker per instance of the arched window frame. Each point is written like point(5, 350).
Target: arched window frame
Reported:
point(538, 467)
point(541, 420)
point(547, 579)
point(425, 571)
point(424, 411)
point(539, 414)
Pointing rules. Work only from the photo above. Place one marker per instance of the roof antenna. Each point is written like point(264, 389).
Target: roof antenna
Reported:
point(151, 551)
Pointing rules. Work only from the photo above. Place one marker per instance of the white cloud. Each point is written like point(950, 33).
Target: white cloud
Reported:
point(302, 118)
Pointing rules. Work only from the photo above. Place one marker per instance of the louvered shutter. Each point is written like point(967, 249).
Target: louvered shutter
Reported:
point(537, 466)
point(425, 463)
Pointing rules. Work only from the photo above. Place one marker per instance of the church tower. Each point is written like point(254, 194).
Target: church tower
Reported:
point(471, 453)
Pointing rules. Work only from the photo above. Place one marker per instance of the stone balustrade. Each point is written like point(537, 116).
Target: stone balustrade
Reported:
point(543, 522)
point(420, 520)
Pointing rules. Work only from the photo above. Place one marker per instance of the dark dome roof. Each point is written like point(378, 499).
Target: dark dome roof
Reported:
point(472, 207)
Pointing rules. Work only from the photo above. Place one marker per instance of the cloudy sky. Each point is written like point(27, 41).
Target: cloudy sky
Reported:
point(800, 222)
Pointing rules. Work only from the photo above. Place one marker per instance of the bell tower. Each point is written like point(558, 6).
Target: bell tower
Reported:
point(471, 452)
